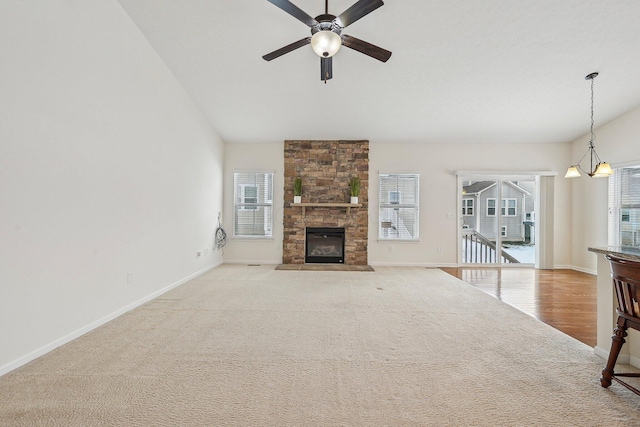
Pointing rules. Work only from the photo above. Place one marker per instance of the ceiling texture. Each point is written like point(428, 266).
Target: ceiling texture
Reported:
point(462, 71)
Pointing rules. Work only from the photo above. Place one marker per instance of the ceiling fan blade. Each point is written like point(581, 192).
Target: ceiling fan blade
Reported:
point(326, 68)
point(358, 10)
point(367, 48)
point(288, 48)
point(294, 11)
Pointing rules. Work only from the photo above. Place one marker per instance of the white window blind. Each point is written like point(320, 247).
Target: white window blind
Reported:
point(624, 207)
point(399, 206)
point(253, 204)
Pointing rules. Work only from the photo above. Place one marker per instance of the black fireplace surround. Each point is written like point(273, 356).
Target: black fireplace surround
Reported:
point(324, 245)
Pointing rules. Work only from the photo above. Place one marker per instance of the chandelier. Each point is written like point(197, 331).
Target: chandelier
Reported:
point(598, 168)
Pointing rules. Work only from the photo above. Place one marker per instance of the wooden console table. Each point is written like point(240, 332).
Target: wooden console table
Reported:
point(348, 206)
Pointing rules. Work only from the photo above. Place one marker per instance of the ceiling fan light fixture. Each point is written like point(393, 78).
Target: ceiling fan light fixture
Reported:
point(326, 43)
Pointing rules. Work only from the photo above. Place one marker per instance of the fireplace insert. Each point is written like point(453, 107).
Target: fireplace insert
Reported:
point(324, 245)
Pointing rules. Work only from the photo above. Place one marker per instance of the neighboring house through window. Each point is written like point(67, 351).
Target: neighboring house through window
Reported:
point(491, 207)
point(394, 197)
point(467, 207)
point(398, 206)
point(509, 207)
point(253, 204)
point(248, 197)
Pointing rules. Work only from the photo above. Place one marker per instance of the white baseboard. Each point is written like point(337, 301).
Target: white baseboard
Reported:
point(253, 262)
point(412, 264)
point(603, 353)
point(634, 361)
point(584, 270)
point(625, 359)
point(93, 325)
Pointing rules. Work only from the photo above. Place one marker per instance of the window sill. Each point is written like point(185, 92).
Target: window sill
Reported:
point(252, 237)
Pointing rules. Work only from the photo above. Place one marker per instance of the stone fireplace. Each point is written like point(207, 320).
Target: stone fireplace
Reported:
point(325, 168)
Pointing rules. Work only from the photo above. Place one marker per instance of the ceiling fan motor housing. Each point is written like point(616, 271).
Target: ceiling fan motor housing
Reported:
point(326, 22)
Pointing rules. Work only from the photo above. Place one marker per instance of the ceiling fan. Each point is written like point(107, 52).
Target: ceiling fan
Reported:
point(326, 34)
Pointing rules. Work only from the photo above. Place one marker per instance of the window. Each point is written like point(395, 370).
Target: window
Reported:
point(491, 207)
point(394, 197)
point(626, 216)
point(248, 196)
point(253, 204)
point(467, 207)
point(398, 206)
point(624, 207)
point(503, 231)
point(508, 207)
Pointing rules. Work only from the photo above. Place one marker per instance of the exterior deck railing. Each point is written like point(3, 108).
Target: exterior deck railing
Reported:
point(477, 249)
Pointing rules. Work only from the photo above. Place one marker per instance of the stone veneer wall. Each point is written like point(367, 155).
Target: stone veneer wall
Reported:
point(325, 168)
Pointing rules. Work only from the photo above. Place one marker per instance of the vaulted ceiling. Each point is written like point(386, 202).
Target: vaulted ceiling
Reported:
point(508, 71)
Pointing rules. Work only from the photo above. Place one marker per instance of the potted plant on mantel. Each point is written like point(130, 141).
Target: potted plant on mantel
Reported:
point(354, 186)
point(297, 190)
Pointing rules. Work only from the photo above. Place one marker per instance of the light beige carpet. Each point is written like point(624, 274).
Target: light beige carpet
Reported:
point(245, 346)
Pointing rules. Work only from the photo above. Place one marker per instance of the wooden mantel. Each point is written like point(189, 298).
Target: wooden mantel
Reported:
point(348, 206)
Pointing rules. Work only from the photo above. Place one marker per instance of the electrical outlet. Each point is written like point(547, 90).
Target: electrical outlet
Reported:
point(129, 278)
point(439, 249)
point(206, 251)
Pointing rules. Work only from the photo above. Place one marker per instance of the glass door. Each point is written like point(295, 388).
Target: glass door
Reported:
point(497, 221)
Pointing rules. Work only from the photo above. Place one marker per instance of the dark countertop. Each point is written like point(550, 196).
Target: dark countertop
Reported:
point(620, 251)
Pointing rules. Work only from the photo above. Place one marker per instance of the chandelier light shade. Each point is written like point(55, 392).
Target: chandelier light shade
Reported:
point(572, 172)
point(603, 170)
point(598, 168)
point(326, 43)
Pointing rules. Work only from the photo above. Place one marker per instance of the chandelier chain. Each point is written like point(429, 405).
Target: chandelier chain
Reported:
point(593, 136)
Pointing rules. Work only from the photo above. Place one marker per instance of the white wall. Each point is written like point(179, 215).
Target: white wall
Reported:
point(106, 168)
point(435, 163)
point(262, 158)
point(438, 194)
point(617, 142)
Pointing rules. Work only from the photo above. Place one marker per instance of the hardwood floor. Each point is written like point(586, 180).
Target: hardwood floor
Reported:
point(564, 299)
